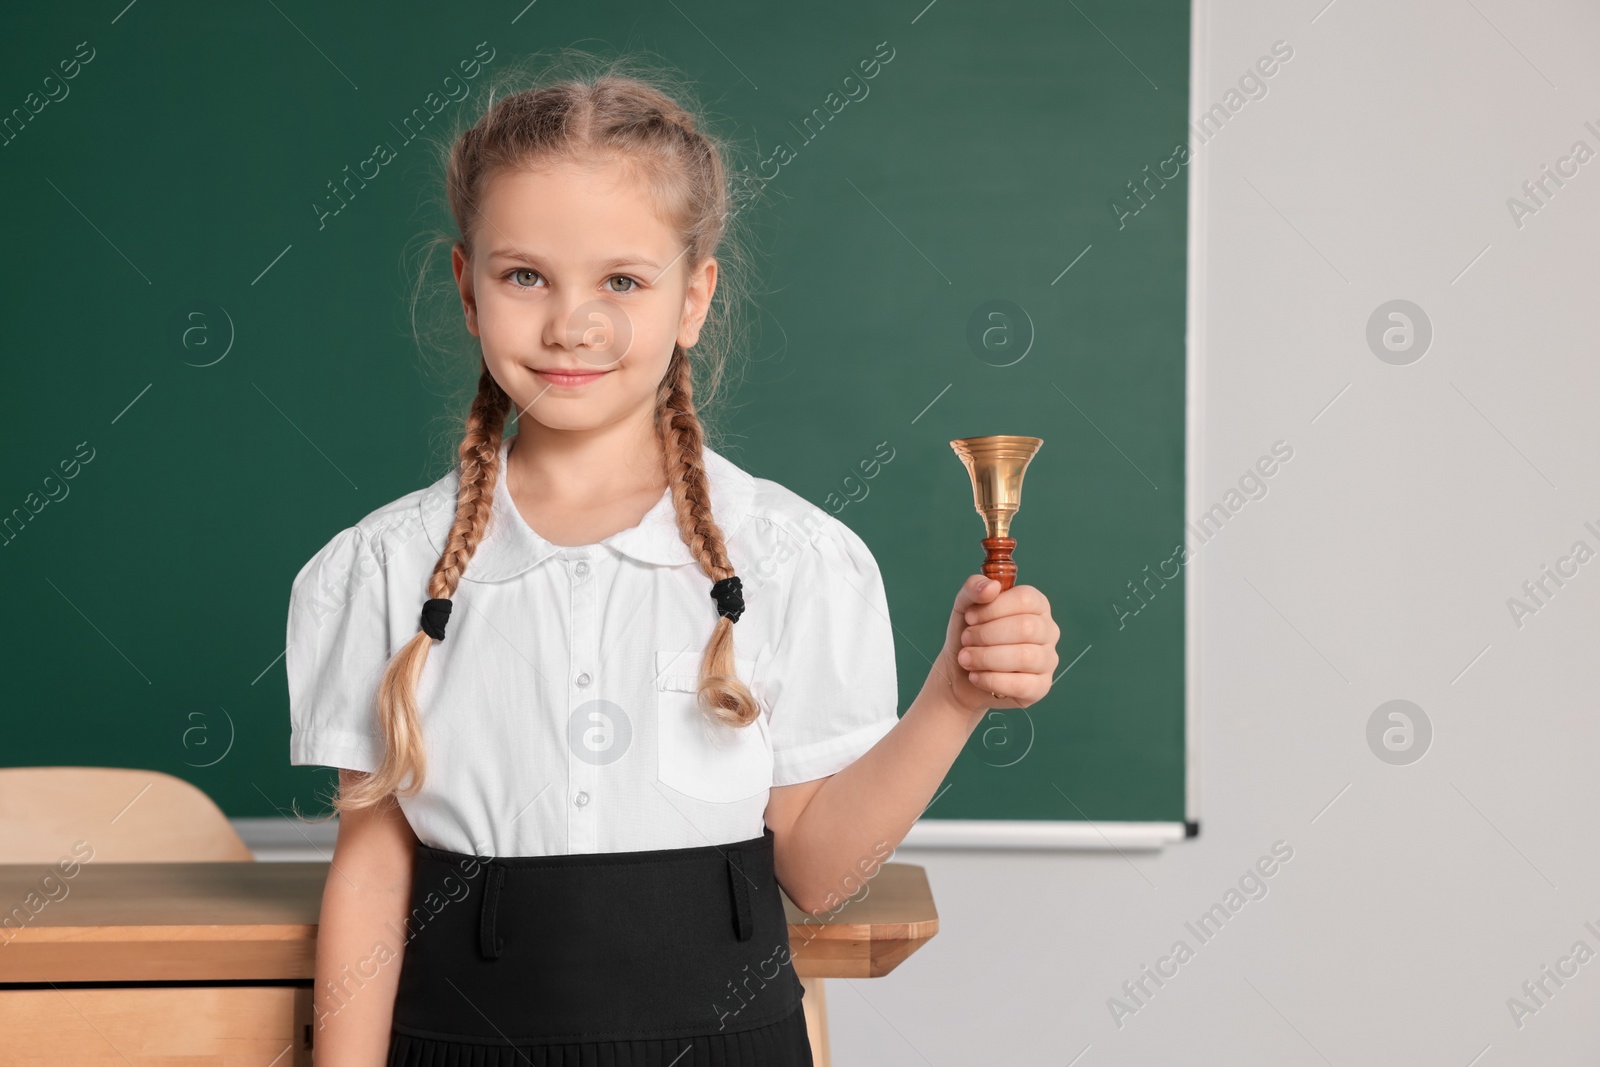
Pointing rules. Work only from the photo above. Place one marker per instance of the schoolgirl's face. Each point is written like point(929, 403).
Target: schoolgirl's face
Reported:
point(577, 292)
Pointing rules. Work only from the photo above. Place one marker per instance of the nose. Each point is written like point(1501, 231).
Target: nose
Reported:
point(556, 330)
point(597, 331)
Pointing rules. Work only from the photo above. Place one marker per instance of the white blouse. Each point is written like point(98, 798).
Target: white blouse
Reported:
point(558, 714)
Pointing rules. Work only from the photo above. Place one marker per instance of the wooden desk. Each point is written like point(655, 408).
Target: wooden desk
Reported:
point(157, 964)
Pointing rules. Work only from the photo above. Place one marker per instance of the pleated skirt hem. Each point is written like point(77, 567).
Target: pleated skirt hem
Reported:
point(779, 1044)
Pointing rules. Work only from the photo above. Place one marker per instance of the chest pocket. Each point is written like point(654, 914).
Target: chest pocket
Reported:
point(696, 756)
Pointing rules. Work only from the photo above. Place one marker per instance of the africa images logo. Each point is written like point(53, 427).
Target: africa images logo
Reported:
point(1252, 885)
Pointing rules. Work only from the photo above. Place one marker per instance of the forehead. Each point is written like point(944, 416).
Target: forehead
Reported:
point(574, 215)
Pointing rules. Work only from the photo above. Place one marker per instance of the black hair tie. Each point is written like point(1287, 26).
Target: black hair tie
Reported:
point(435, 613)
point(729, 597)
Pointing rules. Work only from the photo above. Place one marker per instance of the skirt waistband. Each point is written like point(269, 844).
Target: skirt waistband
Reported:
point(596, 946)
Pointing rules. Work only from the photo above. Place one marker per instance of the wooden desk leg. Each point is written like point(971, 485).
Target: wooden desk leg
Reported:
point(816, 1006)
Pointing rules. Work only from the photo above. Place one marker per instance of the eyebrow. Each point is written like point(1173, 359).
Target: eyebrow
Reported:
point(610, 264)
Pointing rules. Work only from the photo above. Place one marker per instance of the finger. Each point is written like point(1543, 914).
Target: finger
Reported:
point(1024, 688)
point(1027, 659)
point(1014, 601)
point(1011, 630)
point(975, 592)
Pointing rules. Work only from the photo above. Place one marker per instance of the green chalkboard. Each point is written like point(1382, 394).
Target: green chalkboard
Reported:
point(209, 371)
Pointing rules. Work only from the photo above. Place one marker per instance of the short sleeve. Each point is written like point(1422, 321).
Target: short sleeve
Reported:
point(337, 651)
point(831, 683)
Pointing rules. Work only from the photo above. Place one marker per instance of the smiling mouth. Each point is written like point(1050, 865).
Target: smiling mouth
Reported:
point(570, 378)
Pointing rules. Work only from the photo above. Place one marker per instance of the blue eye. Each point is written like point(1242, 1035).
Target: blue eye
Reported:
point(514, 276)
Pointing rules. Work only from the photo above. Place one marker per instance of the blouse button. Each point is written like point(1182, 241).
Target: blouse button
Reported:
point(582, 568)
point(581, 799)
point(583, 680)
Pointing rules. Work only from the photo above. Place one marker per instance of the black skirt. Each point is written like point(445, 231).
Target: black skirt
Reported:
point(661, 958)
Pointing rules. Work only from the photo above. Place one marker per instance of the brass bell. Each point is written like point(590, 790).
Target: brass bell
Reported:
point(996, 465)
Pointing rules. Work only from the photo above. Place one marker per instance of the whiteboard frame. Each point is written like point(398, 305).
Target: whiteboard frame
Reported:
point(1194, 334)
point(1041, 834)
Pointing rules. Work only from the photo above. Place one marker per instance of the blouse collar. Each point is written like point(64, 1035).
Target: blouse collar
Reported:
point(510, 546)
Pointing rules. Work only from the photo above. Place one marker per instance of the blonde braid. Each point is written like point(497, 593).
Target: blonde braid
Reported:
point(728, 699)
point(479, 467)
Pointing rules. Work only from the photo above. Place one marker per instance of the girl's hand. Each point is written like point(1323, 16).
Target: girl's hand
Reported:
point(1000, 648)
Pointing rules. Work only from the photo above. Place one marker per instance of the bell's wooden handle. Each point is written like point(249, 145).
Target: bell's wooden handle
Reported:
point(997, 562)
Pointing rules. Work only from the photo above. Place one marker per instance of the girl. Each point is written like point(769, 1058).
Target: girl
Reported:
point(568, 794)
